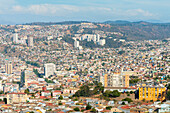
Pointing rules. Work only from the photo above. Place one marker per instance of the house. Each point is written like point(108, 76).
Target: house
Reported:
point(116, 110)
point(163, 108)
point(56, 92)
point(16, 98)
point(46, 94)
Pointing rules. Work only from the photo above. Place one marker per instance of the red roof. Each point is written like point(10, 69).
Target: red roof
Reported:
point(16, 93)
point(45, 92)
point(43, 97)
point(56, 91)
point(128, 107)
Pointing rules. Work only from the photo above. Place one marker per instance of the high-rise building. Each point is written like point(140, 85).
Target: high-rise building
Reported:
point(49, 69)
point(8, 68)
point(94, 38)
point(30, 42)
point(15, 37)
point(102, 42)
point(98, 37)
point(152, 93)
point(116, 80)
point(126, 80)
point(27, 74)
point(76, 44)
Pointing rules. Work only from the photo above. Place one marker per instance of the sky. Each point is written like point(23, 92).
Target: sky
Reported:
point(27, 11)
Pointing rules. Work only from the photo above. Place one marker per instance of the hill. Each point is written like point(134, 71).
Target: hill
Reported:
point(132, 30)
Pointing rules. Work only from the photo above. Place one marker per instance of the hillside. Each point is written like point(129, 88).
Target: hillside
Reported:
point(141, 30)
point(132, 30)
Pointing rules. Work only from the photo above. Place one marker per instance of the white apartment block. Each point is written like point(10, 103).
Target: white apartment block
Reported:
point(49, 69)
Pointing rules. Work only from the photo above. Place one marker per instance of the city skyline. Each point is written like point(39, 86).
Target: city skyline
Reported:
point(19, 12)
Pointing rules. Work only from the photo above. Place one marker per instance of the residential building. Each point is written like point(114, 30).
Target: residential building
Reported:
point(30, 42)
point(16, 98)
point(152, 93)
point(102, 42)
point(8, 68)
point(76, 44)
point(126, 80)
point(49, 69)
point(15, 37)
point(113, 80)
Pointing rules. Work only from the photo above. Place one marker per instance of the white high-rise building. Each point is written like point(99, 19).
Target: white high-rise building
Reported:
point(15, 37)
point(30, 42)
point(98, 37)
point(102, 42)
point(89, 38)
point(76, 44)
point(94, 38)
point(49, 69)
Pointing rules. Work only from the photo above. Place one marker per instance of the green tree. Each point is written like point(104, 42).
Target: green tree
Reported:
point(84, 91)
point(93, 110)
point(108, 107)
point(88, 106)
point(60, 103)
point(61, 97)
point(27, 91)
point(98, 89)
point(168, 95)
point(114, 93)
point(123, 103)
point(131, 92)
point(37, 73)
point(76, 109)
point(127, 99)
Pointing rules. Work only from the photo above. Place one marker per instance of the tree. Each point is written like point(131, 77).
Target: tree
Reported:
point(98, 88)
point(114, 93)
point(103, 64)
point(88, 106)
point(123, 103)
point(26, 91)
point(168, 86)
point(121, 52)
point(37, 73)
point(131, 92)
point(127, 99)
point(84, 91)
point(168, 95)
point(76, 109)
point(31, 112)
point(134, 81)
point(93, 110)
point(61, 97)
point(60, 103)
point(48, 81)
point(108, 107)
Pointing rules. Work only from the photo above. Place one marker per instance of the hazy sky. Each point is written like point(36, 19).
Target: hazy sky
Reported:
point(24, 11)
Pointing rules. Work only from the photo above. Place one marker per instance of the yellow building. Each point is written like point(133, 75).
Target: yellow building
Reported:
point(152, 93)
point(105, 80)
point(126, 80)
point(16, 98)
